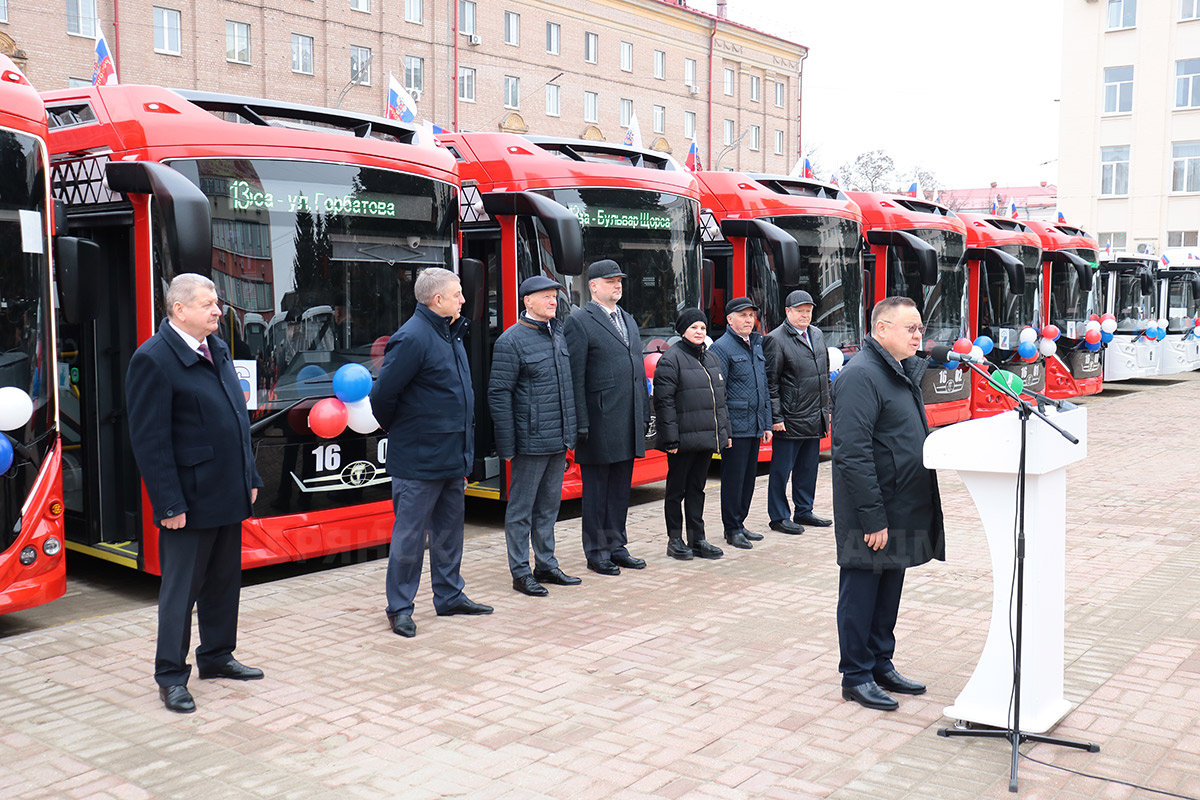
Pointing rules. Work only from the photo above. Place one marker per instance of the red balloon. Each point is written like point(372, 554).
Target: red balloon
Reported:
point(657, 345)
point(328, 418)
point(1106, 316)
point(1031, 358)
point(1050, 332)
point(1094, 318)
point(377, 349)
point(963, 345)
point(650, 363)
point(1092, 336)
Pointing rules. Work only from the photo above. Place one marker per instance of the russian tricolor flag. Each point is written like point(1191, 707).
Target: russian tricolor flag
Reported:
point(994, 208)
point(914, 190)
point(833, 179)
point(400, 104)
point(104, 68)
point(693, 158)
point(1166, 262)
point(1061, 218)
point(1013, 209)
point(808, 170)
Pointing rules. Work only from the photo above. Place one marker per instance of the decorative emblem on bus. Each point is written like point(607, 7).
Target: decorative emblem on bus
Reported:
point(710, 229)
point(360, 473)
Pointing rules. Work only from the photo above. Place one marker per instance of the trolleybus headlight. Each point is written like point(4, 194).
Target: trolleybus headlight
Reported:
point(51, 546)
point(28, 555)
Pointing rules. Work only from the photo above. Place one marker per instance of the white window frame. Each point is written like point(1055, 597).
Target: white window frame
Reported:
point(512, 28)
point(1116, 240)
point(1183, 238)
point(553, 100)
point(591, 47)
point(298, 54)
point(553, 38)
point(357, 53)
point(466, 84)
point(755, 137)
point(779, 94)
point(755, 88)
point(591, 107)
point(414, 73)
point(660, 64)
point(626, 56)
point(83, 21)
point(466, 17)
point(778, 142)
point(626, 112)
point(1115, 91)
point(689, 72)
point(1111, 172)
point(361, 5)
point(1124, 10)
point(1189, 9)
point(232, 31)
point(689, 124)
point(3, 10)
point(727, 132)
point(1186, 168)
point(414, 11)
point(512, 92)
point(730, 81)
point(163, 30)
point(1187, 83)
point(660, 119)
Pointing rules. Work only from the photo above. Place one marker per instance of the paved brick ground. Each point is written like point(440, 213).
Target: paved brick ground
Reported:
point(685, 680)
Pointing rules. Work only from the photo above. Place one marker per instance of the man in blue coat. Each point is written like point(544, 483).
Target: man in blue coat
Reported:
point(191, 439)
point(740, 351)
point(423, 399)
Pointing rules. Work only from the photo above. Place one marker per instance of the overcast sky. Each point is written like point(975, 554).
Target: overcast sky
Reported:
point(964, 88)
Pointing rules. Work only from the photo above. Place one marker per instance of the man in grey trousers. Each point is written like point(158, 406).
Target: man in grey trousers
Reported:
point(532, 401)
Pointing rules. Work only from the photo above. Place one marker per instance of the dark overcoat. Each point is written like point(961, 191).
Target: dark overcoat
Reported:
point(612, 402)
point(689, 400)
point(879, 476)
point(746, 393)
point(424, 400)
point(530, 392)
point(798, 377)
point(190, 431)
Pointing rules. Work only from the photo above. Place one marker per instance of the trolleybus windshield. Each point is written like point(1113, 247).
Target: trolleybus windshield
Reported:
point(1134, 309)
point(24, 315)
point(944, 304)
point(1002, 313)
point(1068, 301)
point(1181, 302)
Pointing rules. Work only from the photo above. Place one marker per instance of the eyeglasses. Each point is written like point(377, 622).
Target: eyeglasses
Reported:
point(913, 330)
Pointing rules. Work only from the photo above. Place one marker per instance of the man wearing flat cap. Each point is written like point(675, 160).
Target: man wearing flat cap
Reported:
point(740, 351)
point(612, 410)
point(532, 401)
point(798, 379)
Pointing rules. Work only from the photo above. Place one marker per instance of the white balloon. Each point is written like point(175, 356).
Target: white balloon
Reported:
point(360, 418)
point(1093, 325)
point(977, 352)
point(1109, 326)
point(16, 407)
point(836, 359)
point(1027, 335)
point(1196, 331)
point(1047, 347)
point(1164, 323)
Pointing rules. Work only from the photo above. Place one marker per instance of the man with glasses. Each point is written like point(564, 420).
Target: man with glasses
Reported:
point(886, 507)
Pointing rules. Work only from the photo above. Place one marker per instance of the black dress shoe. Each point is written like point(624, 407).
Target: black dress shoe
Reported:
point(787, 526)
point(752, 536)
point(465, 606)
point(678, 550)
point(403, 625)
point(525, 584)
point(604, 567)
point(556, 576)
point(233, 670)
point(895, 682)
point(869, 695)
point(702, 549)
point(812, 519)
point(739, 541)
point(628, 561)
point(177, 699)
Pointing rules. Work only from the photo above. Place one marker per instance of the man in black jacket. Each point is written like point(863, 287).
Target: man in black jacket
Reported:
point(191, 439)
point(886, 504)
point(798, 377)
point(533, 408)
point(612, 408)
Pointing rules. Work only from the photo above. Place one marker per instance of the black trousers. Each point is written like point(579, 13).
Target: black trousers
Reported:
point(739, 468)
point(201, 569)
point(604, 507)
point(686, 475)
point(868, 604)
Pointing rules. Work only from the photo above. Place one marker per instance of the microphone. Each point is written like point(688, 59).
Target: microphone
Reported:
point(943, 354)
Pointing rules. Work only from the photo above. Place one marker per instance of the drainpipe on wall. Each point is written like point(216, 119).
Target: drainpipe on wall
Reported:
point(800, 104)
point(117, 36)
point(712, 38)
point(454, 77)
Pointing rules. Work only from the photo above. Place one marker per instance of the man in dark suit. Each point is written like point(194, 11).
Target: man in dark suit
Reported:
point(612, 409)
point(191, 440)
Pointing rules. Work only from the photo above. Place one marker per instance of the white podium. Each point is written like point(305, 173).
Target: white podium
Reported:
point(986, 454)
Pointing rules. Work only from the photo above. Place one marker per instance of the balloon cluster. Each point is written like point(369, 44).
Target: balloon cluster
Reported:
point(1156, 330)
point(1098, 331)
point(836, 361)
point(350, 408)
point(1027, 344)
point(16, 409)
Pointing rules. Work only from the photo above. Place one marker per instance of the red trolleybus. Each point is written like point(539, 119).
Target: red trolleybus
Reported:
point(1072, 291)
point(312, 223)
point(918, 249)
point(768, 235)
point(1006, 291)
point(525, 203)
point(32, 570)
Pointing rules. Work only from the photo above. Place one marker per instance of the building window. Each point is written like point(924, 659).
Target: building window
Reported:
point(1114, 170)
point(81, 17)
point(689, 124)
point(512, 91)
point(728, 132)
point(3, 10)
point(1118, 90)
point(166, 31)
point(729, 78)
point(778, 143)
point(512, 29)
point(360, 5)
point(360, 65)
point(660, 119)
point(778, 94)
point(302, 54)
point(754, 137)
point(553, 100)
point(237, 42)
point(466, 17)
point(466, 84)
point(689, 71)
point(626, 112)
point(591, 107)
point(1111, 241)
point(591, 47)
point(1121, 13)
point(1182, 238)
point(1185, 166)
point(414, 74)
point(413, 11)
point(1187, 83)
point(553, 34)
point(754, 88)
point(626, 56)
point(660, 65)
point(1189, 9)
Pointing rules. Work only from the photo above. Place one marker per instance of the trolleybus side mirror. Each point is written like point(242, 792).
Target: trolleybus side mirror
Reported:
point(471, 273)
point(1146, 281)
point(75, 262)
point(60, 217)
point(921, 252)
point(1082, 268)
point(784, 248)
point(1012, 266)
point(183, 206)
point(708, 274)
point(1195, 286)
point(566, 235)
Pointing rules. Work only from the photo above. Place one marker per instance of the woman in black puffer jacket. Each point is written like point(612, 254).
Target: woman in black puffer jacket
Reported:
point(693, 423)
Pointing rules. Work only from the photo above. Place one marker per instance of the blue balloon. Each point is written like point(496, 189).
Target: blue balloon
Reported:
point(984, 343)
point(1091, 346)
point(351, 383)
point(1106, 337)
point(833, 374)
point(1152, 332)
point(309, 381)
point(6, 453)
point(1027, 350)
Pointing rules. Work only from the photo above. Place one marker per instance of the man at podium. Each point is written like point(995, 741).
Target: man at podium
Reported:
point(886, 509)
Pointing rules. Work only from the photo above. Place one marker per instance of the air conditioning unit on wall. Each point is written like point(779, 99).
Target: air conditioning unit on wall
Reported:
point(694, 89)
point(474, 39)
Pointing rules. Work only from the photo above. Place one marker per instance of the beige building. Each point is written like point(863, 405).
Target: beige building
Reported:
point(550, 67)
point(1129, 151)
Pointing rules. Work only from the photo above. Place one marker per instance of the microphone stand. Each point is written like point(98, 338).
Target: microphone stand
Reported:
point(1015, 734)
